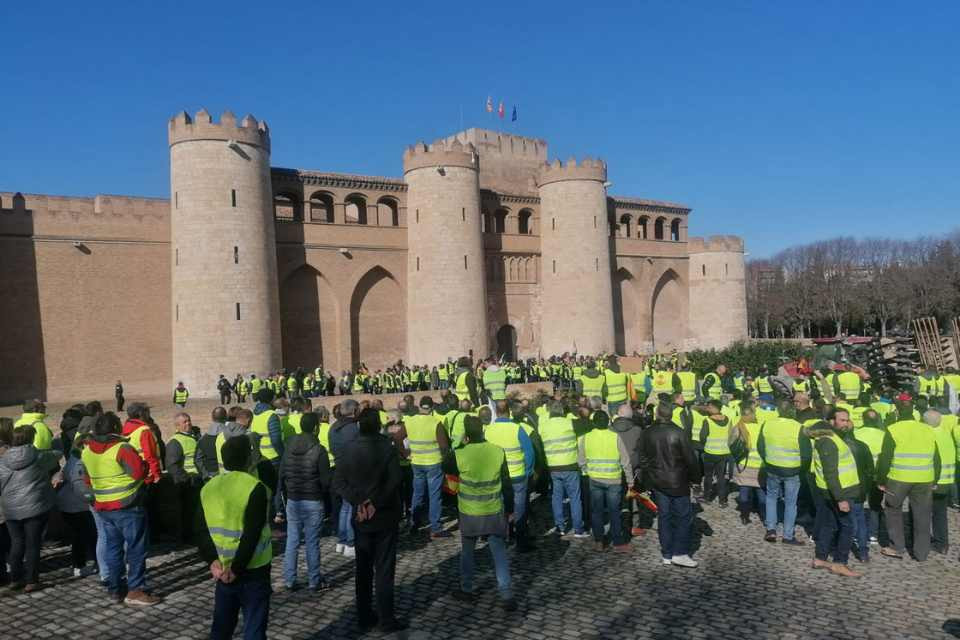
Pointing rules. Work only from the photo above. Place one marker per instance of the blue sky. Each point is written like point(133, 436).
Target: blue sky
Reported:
point(780, 122)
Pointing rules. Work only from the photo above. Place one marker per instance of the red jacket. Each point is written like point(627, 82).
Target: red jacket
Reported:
point(147, 447)
point(128, 458)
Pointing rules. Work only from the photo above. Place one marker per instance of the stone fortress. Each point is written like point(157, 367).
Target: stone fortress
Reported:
point(483, 246)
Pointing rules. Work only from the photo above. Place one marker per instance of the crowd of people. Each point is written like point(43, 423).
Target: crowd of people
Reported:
point(823, 453)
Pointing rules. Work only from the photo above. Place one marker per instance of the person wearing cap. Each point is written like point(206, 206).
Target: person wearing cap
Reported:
point(180, 395)
point(484, 499)
point(138, 431)
point(428, 441)
point(237, 545)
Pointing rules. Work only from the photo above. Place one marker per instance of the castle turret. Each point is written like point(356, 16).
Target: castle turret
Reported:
point(718, 294)
point(446, 293)
point(224, 274)
point(576, 298)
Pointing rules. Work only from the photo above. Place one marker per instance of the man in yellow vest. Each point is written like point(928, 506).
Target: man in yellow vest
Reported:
point(715, 438)
point(180, 461)
point(465, 382)
point(518, 449)
point(847, 385)
point(237, 545)
point(947, 450)
point(266, 423)
point(559, 434)
point(712, 386)
point(617, 385)
point(837, 488)
point(428, 441)
point(495, 381)
point(180, 395)
point(786, 454)
point(908, 467)
point(592, 383)
point(34, 414)
point(116, 473)
point(604, 458)
point(484, 499)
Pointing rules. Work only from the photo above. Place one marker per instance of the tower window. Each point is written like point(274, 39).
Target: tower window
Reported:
point(464, 262)
point(177, 257)
point(463, 213)
point(417, 216)
point(554, 266)
point(553, 224)
point(233, 197)
point(418, 263)
point(177, 312)
point(596, 263)
point(176, 199)
point(726, 269)
point(704, 269)
point(238, 311)
point(594, 222)
point(236, 255)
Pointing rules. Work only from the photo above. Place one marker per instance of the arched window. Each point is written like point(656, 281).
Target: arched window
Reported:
point(500, 221)
point(355, 209)
point(525, 222)
point(388, 210)
point(286, 207)
point(658, 229)
point(675, 230)
point(487, 219)
point(642, 227)
point(321, 207)
point(625, 226)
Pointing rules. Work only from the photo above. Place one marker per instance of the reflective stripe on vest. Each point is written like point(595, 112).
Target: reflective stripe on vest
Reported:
point(422, 438)
point(559, 441)
point(846, 465)
point(108, 479)
point(716, 388)
point(592, 387)
point(616, 386)
point(849, 384)
point(873, 438)
point(914, 447)
point(947, 449)
point(462, 390)
point(180, 395)
point(754, 461)
point(688, 384)
point(781, 442)
point(479, 493)
point(260, 425)
point(718, 438)
point(662, 382)
point(495, 382)
point(189, 446)
point(224, 500)
point(602, 452)
point(506, 435)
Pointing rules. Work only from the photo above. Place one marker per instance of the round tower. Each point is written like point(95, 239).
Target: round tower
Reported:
point(223, 250)
point(446, 290)
point(718, 293)
point(576, 295)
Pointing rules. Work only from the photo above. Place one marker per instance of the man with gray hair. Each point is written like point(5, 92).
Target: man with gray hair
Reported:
point(342, 433)
point(629, 431)
point(947, 449)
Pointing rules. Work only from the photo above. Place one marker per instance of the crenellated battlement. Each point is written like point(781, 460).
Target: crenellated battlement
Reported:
point(715, 244)
point(587, 169)
point(251, 131)
point(439, 154)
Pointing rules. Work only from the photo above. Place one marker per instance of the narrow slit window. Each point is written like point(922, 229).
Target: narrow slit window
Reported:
point(417, 216)
point(464, 262)
point(233, 197)
point(553, 224)
point(238, 311)
point(177, 312)
point(726, 269)
point(177, 258)
point(463, 213)
point(176, 199)
point(596, 263)
point(554, 266)
point(594, 222)
point(704, 269)
point(418, 263)
point(236, 255)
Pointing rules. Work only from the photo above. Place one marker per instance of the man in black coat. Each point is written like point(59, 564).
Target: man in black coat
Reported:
point(368, 477)
point(668, 466)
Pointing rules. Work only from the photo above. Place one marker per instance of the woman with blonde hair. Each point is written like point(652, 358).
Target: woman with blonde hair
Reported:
point(747, 470)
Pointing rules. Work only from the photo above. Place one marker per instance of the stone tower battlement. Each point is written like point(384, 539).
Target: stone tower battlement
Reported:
point(439, 154)
point(202, 127)
point(586, 169)
point(715, 244)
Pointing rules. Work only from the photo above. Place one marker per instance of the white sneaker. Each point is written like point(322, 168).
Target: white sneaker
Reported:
point(667, 561)
point(581, 535)
point(349, 552)
point(873, 539)
point(339, 548)
point(684, 561)
point(77, 573)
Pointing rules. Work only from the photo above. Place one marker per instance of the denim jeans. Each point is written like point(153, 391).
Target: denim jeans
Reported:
point(567, 484)
point(613, 407)
point(345, 533)
point(605, 501)
point(519, 500)
point(101, 545)
point(427, 483)
point(674, 524)
point(304, 519)
point(789, 488)
point(834, 530)
point(501, 565)
point(252, 598)
point(126, 528)
point(750, 497)
point(861, 533)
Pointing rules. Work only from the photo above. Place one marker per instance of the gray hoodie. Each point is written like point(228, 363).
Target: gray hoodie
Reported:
point(25, 489)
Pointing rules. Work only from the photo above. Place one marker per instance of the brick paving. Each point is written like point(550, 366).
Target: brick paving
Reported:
point(743, 588)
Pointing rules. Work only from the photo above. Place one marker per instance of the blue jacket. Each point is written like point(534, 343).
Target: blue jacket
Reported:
point(274, 429)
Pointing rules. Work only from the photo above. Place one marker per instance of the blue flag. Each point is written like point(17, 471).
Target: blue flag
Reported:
point(513, 117)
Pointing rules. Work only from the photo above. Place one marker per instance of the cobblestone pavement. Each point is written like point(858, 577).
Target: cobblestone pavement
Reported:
point(743, 588)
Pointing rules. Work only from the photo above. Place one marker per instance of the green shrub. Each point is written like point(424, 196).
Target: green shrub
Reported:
point(749, 357)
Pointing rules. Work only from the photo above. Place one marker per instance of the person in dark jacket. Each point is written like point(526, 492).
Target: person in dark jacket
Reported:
point(668, 466)
point(368, 477)
point(205, 458)
point(625, 425)
point(70, 426)
point(342, 433)
point(304, 476)
point(26, 497)
point(239, 587)
point(865, 471)
point(833, 530)
point(180, 462)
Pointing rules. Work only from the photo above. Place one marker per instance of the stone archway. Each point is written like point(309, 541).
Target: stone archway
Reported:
point(668, 304)
point(308, 319)
point(507, 343)
point(378, 327)
point(626, 313)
